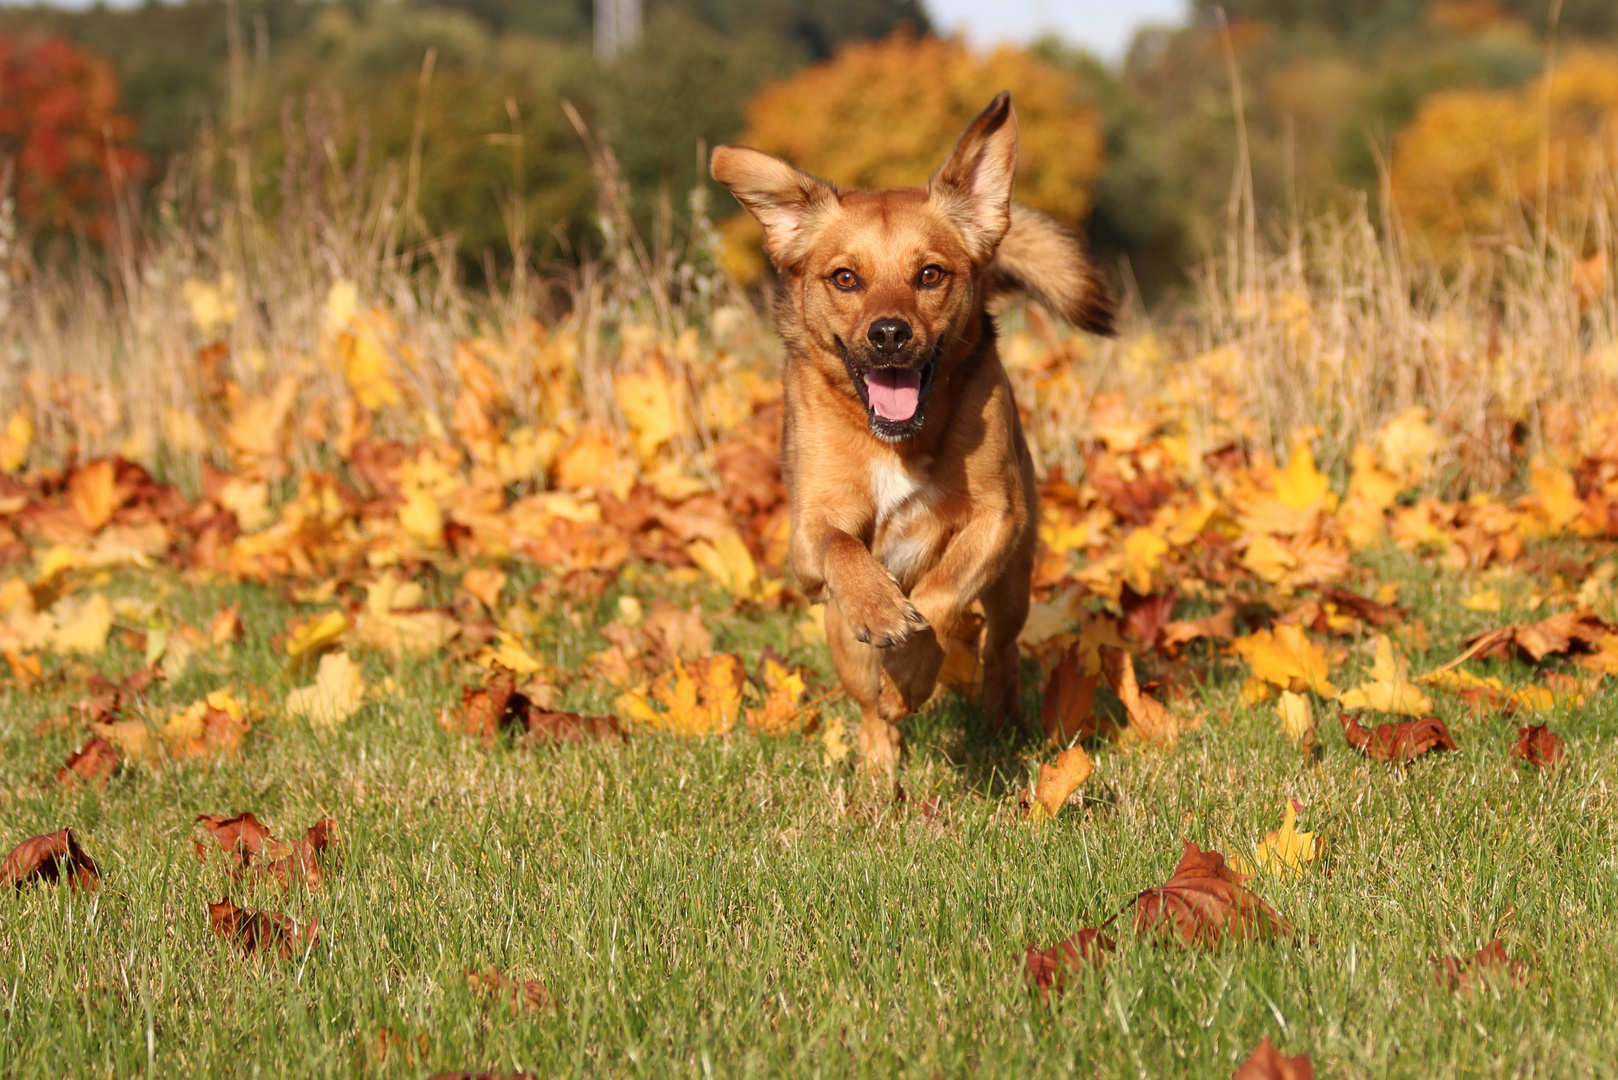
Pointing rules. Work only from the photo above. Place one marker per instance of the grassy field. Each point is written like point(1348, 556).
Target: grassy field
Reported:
point(741, 906)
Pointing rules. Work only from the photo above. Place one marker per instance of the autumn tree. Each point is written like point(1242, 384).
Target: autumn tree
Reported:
point(60, 126)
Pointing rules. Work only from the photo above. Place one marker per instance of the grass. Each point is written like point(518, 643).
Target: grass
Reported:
point(739, 906)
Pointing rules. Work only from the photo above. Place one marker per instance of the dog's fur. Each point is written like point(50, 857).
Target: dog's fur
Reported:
point(900, 524)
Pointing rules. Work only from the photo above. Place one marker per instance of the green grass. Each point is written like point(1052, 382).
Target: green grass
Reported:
point(739, 906)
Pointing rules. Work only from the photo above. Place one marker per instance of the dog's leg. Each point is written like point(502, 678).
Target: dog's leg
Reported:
point(1005, 610)
point(878, 613)
point(857, 665)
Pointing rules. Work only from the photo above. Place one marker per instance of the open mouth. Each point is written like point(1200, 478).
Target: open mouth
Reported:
point(895, 398)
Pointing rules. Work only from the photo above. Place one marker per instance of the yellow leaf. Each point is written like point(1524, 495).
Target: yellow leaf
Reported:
point(1059, 781)
point(648, 404)
point(1287, 659)
point(337, 693)
point(249, 500)
point(1407, 444)
point(15, 441)
point(314, 637)
point(92, 492)
point(1371, 482)
point(422, 519)
point(82, 623)
point(1390, 689)
point(728, 562)
point(508, 652)
point(1556, 496)
point(368, 368)
point(702, 698)
point(1301, 486)
point(212, 306)
point(779, 715)
point(1268, 559)
point(1286, 852)
point(1486, 600)
point(835, 740)
point(485, 583)
point(1296, 714)
point(389, 625)
point(1143, 553)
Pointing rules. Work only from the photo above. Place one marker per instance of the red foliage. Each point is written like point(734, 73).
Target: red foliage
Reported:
point(60, 125)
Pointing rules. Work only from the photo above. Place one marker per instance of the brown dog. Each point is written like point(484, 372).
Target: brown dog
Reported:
point(912, 487)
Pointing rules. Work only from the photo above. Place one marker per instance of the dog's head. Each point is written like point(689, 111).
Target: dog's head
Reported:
point(886, 284)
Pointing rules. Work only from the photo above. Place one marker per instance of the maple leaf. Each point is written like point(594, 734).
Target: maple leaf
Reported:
point(1067, 711)
point(727, 560)
point(309, 639)
point(1149, 719)
point(1287, 659)
point(1058, 781)
point(1401, 742)
point(81, 623)
point(393, 620)
point(250, 847)
point(1268, 1063)
point(485, 584)
point(1390, 689)
point(50, 858)
point(1204, 900)
point(241, 836)
point(94, 762)
point(700, 698)
point(1539, 746)
point(1221, 624)
point(1297, 716)
point(1286, 852)
point(1051, 969)
point(544, 727)
point(337, 693)
point(784, 689)
point(256, 932)
point(1145, 616)
point(1556, 634)
point(1490, 965)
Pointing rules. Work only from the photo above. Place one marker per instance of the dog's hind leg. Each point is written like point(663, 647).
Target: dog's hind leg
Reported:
point(859, 666)
point(1005, 610)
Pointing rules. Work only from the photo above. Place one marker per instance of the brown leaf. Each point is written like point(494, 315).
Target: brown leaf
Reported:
point(1221, 624)
point(545, 728)
point(1204, 899)
point(1149, 719)
point(1068, 711)
point(1050, 970)
point(530, 996)
point(1375, 612)
point(39, 858)
point(261, 931)
point(489, 710)
point(94, 763)
point(1539, 746)
point(1490, 964)
point(1404, 741)
point(308, 858)
point(1267, 1063)
point(1145, 616)
point(242, 837)
point(1567, 631)
point(1059, 781)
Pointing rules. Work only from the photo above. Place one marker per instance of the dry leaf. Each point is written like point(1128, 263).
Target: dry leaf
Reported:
point(1489, 965)
point(1287, 659)
point(242, 837)
point(1267, 1063)
point(1401, 742)
point(337, 693)
point(1059, 781)
point(1203, 901)
point(309, 639)
point(1051, 970)
point(486, 584)
point(42, 858)
point(1068, 710)
point(1390, 689)
point(1297, 716)
point(531, 995)
point(94, 763)
point(256, 932)
point(1539, 746)
point(1149, 719)
point(700, 698)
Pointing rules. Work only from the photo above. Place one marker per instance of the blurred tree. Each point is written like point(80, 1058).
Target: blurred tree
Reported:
point(60, 125)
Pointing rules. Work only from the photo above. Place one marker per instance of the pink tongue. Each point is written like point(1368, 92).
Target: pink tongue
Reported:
point(894, 393)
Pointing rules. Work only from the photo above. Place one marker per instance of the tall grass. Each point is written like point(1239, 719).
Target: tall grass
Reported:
point(1336, 324)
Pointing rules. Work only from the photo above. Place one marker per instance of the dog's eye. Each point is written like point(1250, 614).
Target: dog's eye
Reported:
point(931, 275)
point(845, 279)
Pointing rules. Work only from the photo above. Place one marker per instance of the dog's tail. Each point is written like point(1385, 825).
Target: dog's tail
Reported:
point(1043, 260)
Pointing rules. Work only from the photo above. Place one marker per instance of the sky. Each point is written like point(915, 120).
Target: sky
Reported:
point(1102, 26)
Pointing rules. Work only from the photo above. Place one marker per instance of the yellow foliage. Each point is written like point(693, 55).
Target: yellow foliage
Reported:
point(1390, 689)
point(15, 441)
point(883, 114)
point(337, 693)
point(1286, 658)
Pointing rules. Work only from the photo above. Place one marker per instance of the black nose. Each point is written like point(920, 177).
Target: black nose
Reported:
point(889, 335)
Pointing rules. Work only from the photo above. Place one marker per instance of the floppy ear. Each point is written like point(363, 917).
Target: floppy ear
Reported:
point(974, 186)
point(788, 203)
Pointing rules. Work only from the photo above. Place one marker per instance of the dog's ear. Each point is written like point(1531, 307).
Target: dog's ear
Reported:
point(974, 186)
point(788, 203)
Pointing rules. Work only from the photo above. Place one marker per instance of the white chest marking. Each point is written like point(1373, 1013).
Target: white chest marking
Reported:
point(900, 496)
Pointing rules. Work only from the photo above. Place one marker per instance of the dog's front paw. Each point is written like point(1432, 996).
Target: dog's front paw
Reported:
point(882, 618)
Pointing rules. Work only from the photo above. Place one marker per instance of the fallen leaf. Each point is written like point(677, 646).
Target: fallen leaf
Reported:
point(93, 493)
point(1221, 624)
point(1059, 781)
point(309, 639)
point(337, 693)
point(1285, 852)
point(242, 837)
point(1067, 712)
point(700, 698)
point(486, 584)
point(834, 739)
point(1149, 719)
point(784, 689)
point(487, 710)
point(1489, 965)
point(1297, 716)
point(1203, 900)
point(1267, 1063)
point(93, 763)
point(1539, 746)
point(1390, 689)
point(40, 858)
point(1287, 659)
point(529, 995)
point(1145, 617)
point(570, 727)
point(1581, 629)
point(261, 931)
point(394, 621)
point(1401, 742)
point(308, 860)
point(1051, 969)
point(81, 623)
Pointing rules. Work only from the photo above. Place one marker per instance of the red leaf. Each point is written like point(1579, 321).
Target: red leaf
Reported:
point(1539, 746)
point(39, 858)
point(1266, 1063)
point(1489, 964)
point(1050, 970)
point(242, 837)
point(1404, 741)
point(261, 931)
point(93, 763)
point(1204, 899)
